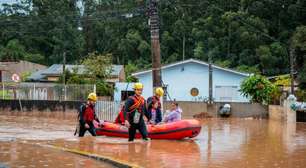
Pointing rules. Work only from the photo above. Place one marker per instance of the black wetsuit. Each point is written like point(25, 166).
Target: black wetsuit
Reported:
point(87, 115)
point(136, 104)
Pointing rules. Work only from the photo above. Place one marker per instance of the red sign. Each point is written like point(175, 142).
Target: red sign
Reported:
point(15, 78)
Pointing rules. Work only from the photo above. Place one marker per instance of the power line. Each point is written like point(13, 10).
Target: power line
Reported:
point(92, 17)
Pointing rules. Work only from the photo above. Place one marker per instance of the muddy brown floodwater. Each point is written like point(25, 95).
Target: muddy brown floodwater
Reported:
point(221, 143)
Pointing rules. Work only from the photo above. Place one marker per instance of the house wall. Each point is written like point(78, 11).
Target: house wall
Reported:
point(9, 68)
point(52, 78)
point(182, 78)
point(119, 87)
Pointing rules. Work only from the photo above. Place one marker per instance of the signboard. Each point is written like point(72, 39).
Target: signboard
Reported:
point(15, 78)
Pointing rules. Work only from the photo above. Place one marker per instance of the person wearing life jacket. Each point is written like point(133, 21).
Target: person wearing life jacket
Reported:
point(120, 118)
point(134, 112)
point(87, 116)
point(155, 113)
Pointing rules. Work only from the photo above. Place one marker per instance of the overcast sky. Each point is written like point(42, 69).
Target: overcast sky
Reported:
point(79, 4)
point(8, 1)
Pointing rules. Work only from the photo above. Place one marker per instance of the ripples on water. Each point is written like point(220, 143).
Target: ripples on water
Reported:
point(221, 143)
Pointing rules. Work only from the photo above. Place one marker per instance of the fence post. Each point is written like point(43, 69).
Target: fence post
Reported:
point(95, 88)
point(65, 93)
point(3, 90)
point(34, 91)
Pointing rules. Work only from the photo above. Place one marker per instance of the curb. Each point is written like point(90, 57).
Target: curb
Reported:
point(115, 162)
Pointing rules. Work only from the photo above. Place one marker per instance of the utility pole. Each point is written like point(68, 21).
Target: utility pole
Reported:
point(292, 53)
point(64, 67)
point(155, 44)
point(210, 69)
point(184, 41)
point(64, 74)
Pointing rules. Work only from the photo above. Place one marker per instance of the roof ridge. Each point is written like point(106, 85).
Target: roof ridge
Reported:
point(188, 61)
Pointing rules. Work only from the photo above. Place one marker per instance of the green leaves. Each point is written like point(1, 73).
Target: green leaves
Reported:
point(299, 44)
point(258, 88)
point(98, 66)
point(248, 35)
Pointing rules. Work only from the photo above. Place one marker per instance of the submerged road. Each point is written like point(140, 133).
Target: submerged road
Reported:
point(46, 142)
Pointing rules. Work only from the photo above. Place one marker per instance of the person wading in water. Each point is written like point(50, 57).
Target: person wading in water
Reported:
point(155, 113)
point(87, 116)
point(134, 111)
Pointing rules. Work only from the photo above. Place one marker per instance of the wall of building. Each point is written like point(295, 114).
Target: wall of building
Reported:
point(182, 78)
point(119, 87)
point(9, 68)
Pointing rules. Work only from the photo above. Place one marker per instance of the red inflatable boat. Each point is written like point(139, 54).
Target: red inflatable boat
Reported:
point(176, 130)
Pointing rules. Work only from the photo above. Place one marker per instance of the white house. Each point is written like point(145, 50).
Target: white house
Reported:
point(189, 81)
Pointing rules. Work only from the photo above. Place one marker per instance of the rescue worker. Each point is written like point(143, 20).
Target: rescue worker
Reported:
point(155, 114)
point(87, 116)
point(134, 112)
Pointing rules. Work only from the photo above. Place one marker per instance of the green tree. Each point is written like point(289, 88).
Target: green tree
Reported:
point(248, 35)
point(299, 44)
point(98, 70)
point(129, 69)
point(13, 51)
point(258, 88)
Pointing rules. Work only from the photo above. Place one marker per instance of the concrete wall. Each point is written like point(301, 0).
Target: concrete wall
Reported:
point(68, 109)
point(40, 108)
point(247, 109)
point(242, 110)
point(286, 113)
point(189, 108)
point(276, 112)
point(182, 78)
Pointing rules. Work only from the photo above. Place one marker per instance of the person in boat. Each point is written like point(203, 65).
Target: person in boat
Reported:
point(120, 118)
point(175, 113)
point(134, 112)
point(155, 112)
point(87, 116)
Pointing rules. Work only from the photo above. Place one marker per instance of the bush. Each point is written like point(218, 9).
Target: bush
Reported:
point(259, 89)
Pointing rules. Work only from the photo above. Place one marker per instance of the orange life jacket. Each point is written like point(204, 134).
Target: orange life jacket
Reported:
point(139, 101)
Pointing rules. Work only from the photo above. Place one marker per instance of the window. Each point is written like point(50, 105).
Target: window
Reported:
point(126, 94)
point(194, 92)
point(226, 93)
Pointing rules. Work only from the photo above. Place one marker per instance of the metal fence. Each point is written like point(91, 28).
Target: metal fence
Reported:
point(45, 91)
point(107, 110)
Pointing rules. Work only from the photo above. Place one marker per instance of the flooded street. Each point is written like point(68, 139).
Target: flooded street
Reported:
point(250, 143)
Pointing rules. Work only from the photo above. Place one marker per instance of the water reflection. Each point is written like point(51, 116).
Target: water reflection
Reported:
point(221, 143)
point(19, 154)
